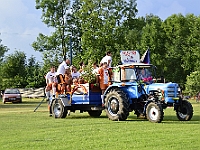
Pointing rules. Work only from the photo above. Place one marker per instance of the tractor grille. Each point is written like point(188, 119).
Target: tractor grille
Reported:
point(171, 92)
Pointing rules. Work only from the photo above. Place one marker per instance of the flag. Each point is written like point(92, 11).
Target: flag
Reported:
point(146, 57)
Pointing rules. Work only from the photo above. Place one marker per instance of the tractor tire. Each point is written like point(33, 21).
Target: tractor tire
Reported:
point(186, 112)
point(58, 109)
point(154, 112)
point(117, 105)
point(95, 113)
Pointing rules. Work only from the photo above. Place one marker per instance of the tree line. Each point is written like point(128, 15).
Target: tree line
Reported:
point(97, 26)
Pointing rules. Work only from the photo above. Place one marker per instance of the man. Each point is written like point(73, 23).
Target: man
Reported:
point(50, 82)
point(61, 72)
point(95, 68)
point(107, 59)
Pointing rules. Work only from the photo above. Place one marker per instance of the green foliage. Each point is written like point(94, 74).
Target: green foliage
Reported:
point(87, 75)
point(3, 50)
point(13, 70)
point(193, 83)
point(54, 14)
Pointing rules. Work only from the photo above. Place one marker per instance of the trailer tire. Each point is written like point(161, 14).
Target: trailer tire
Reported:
point(154, 112)
point(117, 105)
point(94, 113)
point(58, 109)
point(186, 113)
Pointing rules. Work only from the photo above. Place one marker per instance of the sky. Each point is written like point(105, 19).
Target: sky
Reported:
point(20, 22)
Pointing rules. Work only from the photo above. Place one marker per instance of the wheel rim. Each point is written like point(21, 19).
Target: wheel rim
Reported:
point(183, 113)
point(57, 109)
point(113, 106)
point(153, 113)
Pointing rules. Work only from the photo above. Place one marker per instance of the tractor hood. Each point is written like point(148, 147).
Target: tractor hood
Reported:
point(171, 90)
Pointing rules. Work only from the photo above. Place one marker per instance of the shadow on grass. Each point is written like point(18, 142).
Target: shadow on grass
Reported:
point(170, 119)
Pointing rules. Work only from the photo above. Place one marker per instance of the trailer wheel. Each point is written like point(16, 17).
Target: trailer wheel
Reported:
point(94, 113)
point(154, 112)
point(186, 112)
point(58, 109)
point(117, 105)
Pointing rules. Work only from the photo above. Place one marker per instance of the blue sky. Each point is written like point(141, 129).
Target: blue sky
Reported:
point(20, 22)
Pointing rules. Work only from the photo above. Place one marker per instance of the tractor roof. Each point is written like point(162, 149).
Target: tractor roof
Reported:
point(142, 65)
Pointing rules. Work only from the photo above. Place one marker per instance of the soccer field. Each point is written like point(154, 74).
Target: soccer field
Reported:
point(23, 129)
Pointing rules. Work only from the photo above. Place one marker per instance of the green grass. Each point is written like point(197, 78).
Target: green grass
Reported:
point(23, 129)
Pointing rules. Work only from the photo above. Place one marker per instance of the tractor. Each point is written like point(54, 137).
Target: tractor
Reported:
point(147, 98)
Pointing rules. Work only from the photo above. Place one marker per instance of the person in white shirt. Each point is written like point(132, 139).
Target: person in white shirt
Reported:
point(61, 72)
point(107, 59)
point(95, 68)
point(75, 73)
point(51, 82)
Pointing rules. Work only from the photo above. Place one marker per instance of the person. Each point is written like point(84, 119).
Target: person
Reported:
point(81, 65)
point(103, 77)
point(68, 80)
point(95, 68)
point(50, 82)
point(75, 73)
point(145, 75)
point(142, 74)
point(60, 73)
point(107, 59)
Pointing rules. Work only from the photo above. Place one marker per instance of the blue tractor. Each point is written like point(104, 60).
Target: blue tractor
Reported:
point(133, 88)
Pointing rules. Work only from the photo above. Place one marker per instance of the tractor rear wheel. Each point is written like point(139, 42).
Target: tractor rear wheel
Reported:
point(117, 105)
point(154, 112)
point(58, 109)
point(185, 112)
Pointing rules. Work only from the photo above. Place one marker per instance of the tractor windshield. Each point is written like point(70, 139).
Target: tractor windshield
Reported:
point(131, 73)
point(144, 73)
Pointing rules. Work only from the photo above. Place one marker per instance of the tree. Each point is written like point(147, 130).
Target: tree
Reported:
point(102, 26)
point(13, 70)
point(3, 50)
point(54, 14)
point(193, 83)
point(35, 74)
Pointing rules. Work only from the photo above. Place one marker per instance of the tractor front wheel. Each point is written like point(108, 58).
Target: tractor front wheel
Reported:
point(154, 112)
point(185, 112)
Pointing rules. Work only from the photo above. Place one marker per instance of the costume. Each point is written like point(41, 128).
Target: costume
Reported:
point(103, 78)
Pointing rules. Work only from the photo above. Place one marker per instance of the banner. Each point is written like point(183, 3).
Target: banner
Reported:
point(129, 57)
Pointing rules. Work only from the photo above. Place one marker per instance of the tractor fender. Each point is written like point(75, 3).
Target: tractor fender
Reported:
point(110, 88)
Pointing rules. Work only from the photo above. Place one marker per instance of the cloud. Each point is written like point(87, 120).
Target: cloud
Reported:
point(20, 25)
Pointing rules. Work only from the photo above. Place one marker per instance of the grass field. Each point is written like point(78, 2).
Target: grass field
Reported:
point(23, 129)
